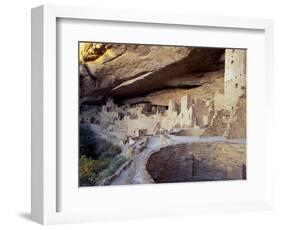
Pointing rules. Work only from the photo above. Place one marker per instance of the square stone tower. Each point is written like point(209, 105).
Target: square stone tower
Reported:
point(186, 113)
point(234, 76)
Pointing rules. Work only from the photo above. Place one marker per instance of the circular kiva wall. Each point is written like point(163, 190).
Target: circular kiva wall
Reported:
point(198, 162)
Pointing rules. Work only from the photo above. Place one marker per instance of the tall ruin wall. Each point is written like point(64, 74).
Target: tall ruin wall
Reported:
point(229, 112)
point(234, 77)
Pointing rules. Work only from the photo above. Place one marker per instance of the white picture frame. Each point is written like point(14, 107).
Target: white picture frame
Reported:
point(45, 90)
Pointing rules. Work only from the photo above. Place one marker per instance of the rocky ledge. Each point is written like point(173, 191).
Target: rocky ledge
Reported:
point(127, 71)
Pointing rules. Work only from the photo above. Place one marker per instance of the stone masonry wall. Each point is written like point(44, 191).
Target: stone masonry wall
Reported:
point(234, 77)
point(198, 162)
point(236, 126)
point(229, 112)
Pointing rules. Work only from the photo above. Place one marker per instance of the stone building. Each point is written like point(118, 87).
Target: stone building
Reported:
point(215, 102)
point(125, 121)
point(186, 115)
point(234, 77)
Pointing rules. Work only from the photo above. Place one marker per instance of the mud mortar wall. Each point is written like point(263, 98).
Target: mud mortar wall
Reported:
point(198, 162)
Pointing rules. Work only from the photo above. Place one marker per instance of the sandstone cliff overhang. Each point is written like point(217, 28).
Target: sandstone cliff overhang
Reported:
point(126, 71)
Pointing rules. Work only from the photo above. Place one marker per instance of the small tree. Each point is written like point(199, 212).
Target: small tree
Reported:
point(86, 166)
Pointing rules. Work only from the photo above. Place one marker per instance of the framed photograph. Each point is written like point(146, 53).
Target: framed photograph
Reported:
point(141, 114)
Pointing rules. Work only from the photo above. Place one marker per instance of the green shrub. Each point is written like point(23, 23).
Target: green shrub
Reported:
point(110, 153)
point(89, 166)
point(91, 171)
point(115, 149)
point(114, 165)
point(86, 166)
point(100, 165)
point(97, 147)
point(104, 156)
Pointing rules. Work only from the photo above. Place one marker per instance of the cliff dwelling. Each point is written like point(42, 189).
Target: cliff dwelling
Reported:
point(161, 114)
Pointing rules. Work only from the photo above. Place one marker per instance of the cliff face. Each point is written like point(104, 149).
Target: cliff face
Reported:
point(130, 71)
point(153, 78)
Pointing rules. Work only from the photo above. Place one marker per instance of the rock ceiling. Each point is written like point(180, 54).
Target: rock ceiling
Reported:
point(130, 71)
